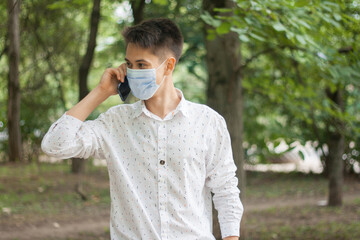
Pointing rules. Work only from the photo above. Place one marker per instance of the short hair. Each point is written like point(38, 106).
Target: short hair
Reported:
point(157, 34)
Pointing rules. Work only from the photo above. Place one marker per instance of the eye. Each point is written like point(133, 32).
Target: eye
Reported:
point(128, 64)
point(141, 65)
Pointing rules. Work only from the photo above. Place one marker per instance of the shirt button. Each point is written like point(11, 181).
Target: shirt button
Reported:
point(162, 162)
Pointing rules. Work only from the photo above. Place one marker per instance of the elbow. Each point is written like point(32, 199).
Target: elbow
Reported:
point(44, 145)
point(51, 148)
point(47, 147)
point(63, 150)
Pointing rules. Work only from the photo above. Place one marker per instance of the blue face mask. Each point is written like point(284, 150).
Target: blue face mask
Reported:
point(142, 82)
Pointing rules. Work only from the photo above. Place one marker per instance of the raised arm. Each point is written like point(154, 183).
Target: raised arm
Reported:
point(72, 136)
point(107, 87)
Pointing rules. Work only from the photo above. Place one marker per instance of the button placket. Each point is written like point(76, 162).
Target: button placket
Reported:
point(162, 168)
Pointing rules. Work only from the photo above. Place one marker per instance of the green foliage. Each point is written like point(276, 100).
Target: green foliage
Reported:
point(161, 2)
point(293, 52)
point(223, 28)
point(52, 41)
point(61, 4)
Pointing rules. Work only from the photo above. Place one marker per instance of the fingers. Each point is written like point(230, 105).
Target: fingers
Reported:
point(121, 72)
point(117, 73)
point(123, 67)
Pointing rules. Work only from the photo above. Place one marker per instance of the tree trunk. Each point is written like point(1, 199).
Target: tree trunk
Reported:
point(87, 59)
point(13, 113)
point(137, 7)
point(224, 91)
point(78, 165)
point(336, 145)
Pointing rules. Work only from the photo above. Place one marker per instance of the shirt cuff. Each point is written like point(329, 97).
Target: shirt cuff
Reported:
point(230, 229)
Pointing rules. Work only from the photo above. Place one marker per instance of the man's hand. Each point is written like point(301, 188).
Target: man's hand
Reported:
point(231, 238)
point(107, 87)
point(111, 78)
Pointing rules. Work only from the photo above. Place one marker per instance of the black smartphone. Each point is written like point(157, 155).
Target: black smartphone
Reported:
point(124, 89)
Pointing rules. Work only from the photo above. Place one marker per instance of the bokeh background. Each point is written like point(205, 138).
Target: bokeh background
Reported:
point(285, 74)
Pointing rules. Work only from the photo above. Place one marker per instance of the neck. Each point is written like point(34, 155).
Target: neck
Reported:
point(164, 100)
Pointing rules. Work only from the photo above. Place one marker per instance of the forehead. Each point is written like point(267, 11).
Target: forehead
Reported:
point(135, 52)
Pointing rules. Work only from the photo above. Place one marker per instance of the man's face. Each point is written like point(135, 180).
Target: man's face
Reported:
point(142, 58)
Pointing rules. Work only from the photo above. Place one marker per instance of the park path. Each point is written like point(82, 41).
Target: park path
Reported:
point(100, 224)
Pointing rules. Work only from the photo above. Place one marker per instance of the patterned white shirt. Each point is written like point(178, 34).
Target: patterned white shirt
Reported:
point(161, 171)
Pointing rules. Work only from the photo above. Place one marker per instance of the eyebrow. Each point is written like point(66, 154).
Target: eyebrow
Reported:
point(139, 60)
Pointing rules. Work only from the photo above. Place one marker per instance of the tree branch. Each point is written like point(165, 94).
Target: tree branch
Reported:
point(255, 56)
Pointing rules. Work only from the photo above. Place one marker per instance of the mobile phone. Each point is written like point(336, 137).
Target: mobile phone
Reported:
point(124, 89)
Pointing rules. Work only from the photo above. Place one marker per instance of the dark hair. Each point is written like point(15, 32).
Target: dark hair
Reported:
point(157, 34)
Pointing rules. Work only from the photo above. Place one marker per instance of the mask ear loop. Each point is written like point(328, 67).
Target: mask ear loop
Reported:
point(161, 64)
point(162, 80)
point(164, 75)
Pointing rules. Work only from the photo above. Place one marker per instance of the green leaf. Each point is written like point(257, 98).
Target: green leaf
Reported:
point(279, 27)
point(301, 3)
point(303, 23)
point(223, 28)
point(301, 154)
point(57, 5)
point(354, 72)
point(161, 2)
point(257, 37)
point(244, 38)
point(277, 143)
point(327, 18)
point(207, 18)
point(248, 21)
point(289, 35)
point(239, 31)
point(289, 149)
point(80, 2)
point(301, 39)
point(211, 35)
point(223, 10)
point(337, 17)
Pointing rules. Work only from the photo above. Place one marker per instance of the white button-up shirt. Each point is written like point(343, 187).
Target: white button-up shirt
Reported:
point(161, 171)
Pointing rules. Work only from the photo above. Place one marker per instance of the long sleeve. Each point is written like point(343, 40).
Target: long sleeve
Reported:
point(222, 181)
point(70, 137)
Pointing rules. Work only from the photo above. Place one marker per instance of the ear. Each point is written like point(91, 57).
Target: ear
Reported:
point(170, 66)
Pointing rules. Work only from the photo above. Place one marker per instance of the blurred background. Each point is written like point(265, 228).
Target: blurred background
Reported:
point(285, 75)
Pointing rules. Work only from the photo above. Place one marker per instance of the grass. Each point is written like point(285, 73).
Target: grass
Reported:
point(321, 231)
point(305, 223)
point(48, 189)
point(299, 222)
point(270, 185)
point(275, 185)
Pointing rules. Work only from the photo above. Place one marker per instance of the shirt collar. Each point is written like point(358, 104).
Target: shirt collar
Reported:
point(181, 107)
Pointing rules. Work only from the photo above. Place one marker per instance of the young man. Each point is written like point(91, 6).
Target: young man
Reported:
point(165, 154)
